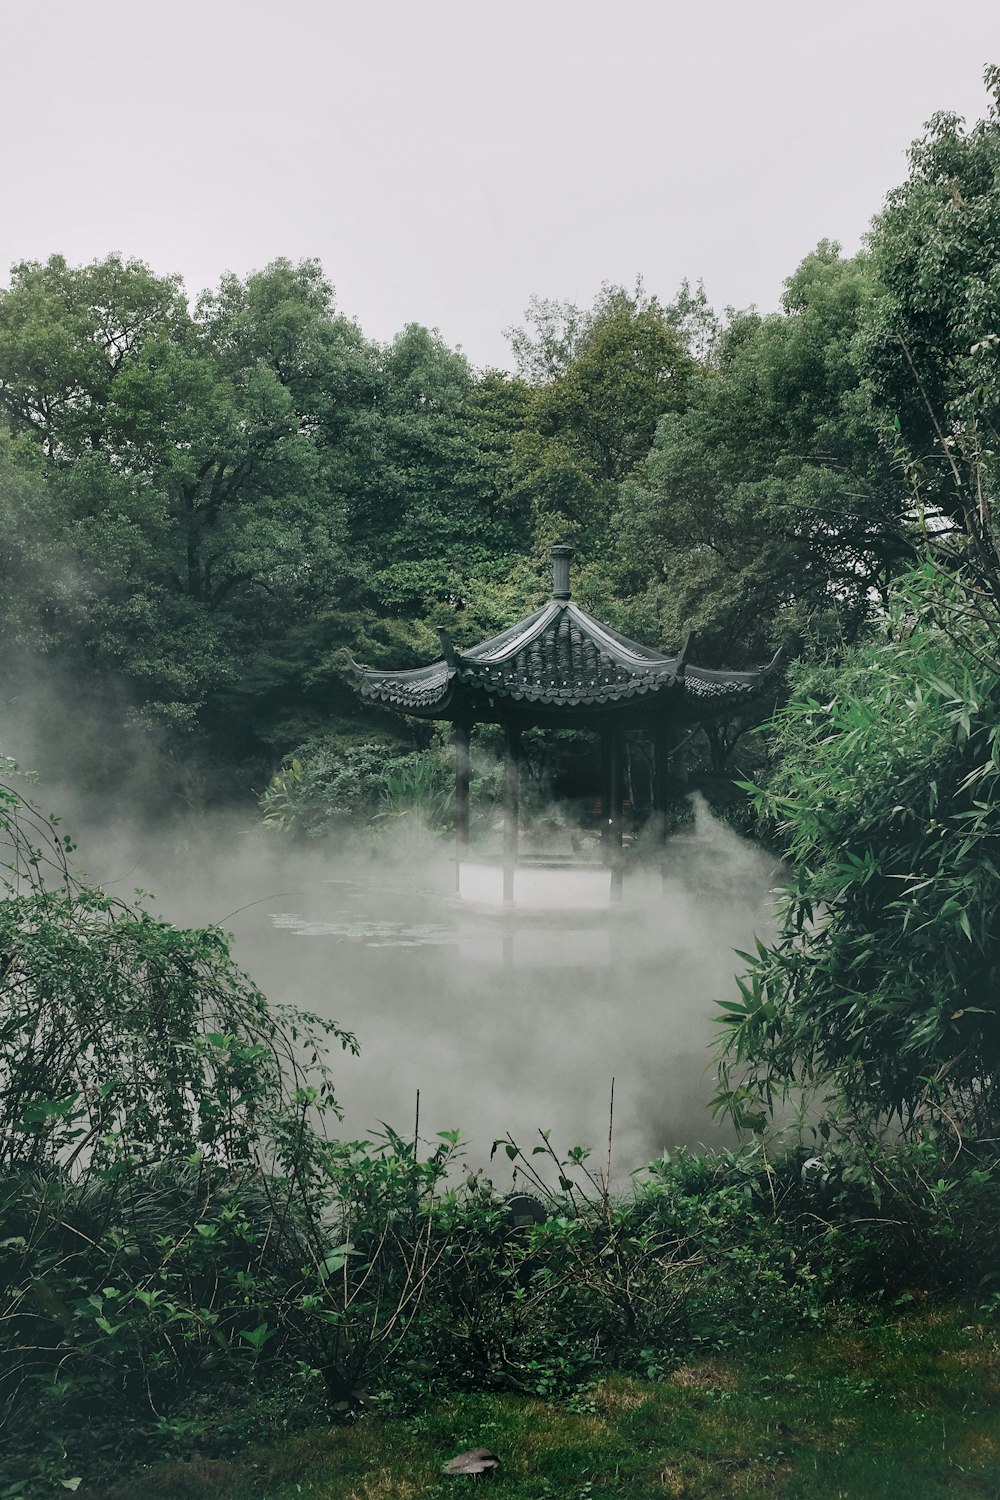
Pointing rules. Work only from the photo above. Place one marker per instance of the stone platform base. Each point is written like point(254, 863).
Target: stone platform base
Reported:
point(537, 886)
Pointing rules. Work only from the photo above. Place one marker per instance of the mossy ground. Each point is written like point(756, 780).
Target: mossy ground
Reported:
point(908, 1408)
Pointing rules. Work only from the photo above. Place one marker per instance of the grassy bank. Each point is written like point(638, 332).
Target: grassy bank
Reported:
point(907, 1408)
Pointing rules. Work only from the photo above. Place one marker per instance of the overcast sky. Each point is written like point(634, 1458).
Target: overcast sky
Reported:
point(447, 159)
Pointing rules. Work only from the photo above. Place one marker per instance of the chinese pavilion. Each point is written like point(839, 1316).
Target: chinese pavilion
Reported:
point(561, 668)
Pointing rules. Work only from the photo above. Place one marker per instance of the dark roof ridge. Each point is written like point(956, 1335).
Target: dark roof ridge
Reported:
point(630, 653)
point(501, 647)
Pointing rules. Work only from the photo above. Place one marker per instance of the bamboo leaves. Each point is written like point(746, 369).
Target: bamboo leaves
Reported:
point(883, 981)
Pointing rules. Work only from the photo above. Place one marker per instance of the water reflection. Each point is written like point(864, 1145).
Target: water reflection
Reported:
point(520, 1023)
point(503, 1025)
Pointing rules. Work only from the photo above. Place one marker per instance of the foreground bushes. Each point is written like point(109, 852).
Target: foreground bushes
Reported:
point(181, 1301)
point(880, 993)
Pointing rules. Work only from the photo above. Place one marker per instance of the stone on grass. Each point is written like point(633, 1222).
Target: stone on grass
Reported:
point(474, 1461)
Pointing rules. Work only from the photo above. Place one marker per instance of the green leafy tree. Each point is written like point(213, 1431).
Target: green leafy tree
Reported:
point(121, 1037)
point(421, 502)
point(199, 461)
point(933, 339)
point(601, 381)
point(770, 501)
point(882, 986)
point(555, 333)
point(39, 593)
point(630, 370)
point(442, 521)
point(67, 334)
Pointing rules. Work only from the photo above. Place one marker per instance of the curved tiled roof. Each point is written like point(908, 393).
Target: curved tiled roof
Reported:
point(563, 656)
point(558, 658)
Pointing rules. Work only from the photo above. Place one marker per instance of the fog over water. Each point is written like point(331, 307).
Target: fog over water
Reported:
point(503, 1024)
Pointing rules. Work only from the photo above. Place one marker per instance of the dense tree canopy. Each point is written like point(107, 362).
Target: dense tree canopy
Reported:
point(769, 502)
point(933, 343)
point(206, 500)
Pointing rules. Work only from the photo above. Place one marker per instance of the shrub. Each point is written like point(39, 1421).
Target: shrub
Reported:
point(326, 788)
point(161, 1137)
point(882, 988)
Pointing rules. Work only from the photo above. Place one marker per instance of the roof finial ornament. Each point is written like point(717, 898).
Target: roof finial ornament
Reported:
point(561, 555)
point(448, 650)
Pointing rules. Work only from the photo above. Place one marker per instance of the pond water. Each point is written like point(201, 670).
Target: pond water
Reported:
point(503, 1024)
point(516, 1024)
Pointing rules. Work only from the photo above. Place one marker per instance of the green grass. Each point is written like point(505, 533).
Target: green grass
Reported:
point(909, 1409)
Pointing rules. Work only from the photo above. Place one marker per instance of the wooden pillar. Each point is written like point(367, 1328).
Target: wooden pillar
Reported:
point(664, 740)
point(670, 764)
point(670, 778)
point(678, 757)
point(460, 740)
point(511, 807)
point(611, 831)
